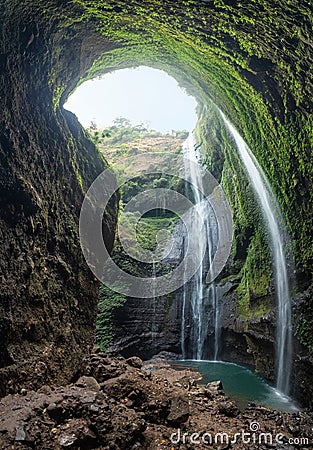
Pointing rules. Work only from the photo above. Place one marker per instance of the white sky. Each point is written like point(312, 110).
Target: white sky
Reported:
point(140, 95)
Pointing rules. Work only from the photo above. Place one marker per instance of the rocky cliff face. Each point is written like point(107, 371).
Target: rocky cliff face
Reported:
point(48, 296)
point(147, 327)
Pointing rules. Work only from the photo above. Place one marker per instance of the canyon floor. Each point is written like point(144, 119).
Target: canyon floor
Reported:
point(116, 403)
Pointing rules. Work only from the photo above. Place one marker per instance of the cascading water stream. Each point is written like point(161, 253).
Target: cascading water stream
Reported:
point(154, 307)
point(216, 320)
point(271, 215)
point(183, 313)
point(203, 239)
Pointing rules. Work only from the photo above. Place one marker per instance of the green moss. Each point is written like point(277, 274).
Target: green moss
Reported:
point(148, 229)
point(253, 290)
point(209, 49)
point(304, 332)
point(108, 302)
point(304, 322)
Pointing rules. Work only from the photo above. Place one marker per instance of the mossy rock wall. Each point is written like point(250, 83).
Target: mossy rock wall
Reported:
point(48, 295)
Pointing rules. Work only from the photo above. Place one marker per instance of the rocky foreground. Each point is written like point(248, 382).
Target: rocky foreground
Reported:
point(118, 404)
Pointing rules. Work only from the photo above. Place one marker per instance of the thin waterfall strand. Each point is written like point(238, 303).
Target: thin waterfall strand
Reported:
point(154, 308)
point(271, 213)
point(183, 312)
point(201, 240)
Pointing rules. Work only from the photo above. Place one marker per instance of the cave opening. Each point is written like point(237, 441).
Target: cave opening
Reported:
point(144, 96)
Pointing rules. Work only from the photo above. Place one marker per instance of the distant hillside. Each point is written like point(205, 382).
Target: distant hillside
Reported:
point(123, 140)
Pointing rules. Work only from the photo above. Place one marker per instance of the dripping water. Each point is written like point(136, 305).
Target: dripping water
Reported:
point(154, 307)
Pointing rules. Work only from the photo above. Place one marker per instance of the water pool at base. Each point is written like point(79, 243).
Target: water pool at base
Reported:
point(241, 384)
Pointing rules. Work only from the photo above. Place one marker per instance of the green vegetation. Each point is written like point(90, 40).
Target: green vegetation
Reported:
point(253, 290)
point(304, 320)
point(304, 331)
point(150, 234)
point(120, 138)
point(123, 142)
point(108, 301)
point(240, 57)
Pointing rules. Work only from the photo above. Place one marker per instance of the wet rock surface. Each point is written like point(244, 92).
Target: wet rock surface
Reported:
point(114, 405)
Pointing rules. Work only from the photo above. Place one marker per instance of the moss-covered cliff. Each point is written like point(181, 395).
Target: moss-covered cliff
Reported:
point(252, 59)
point(48, 297)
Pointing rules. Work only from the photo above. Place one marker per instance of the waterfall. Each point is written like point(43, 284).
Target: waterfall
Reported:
point(271, 215)
point(154, 308)
point(216, 320)
point(183, 311)
point(200, 302)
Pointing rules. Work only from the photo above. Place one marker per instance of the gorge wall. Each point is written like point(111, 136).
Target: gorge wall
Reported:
point(252, 59)
point(48, 296)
